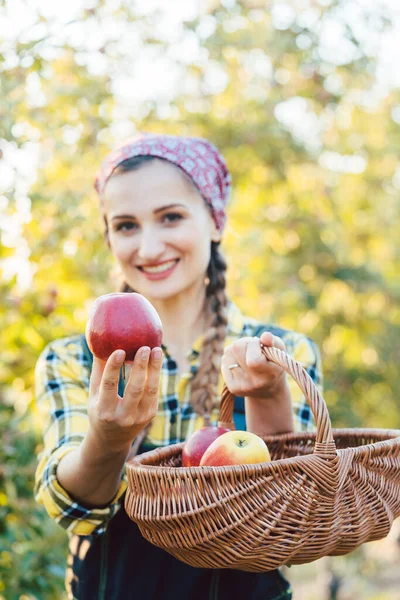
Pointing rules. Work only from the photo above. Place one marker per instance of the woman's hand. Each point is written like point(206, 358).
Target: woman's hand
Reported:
point(255, 376)
point(91, 473)
point(116, 421)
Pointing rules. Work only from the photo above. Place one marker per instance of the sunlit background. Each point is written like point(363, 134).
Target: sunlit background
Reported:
point(141, 73)
point(302, 97)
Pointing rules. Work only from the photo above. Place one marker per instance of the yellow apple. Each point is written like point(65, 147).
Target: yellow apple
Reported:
point(236, 448)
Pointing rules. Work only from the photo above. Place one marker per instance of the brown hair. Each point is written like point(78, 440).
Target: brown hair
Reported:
point(205, 382)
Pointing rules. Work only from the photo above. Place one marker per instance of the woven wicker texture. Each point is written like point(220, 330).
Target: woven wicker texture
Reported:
point(323, 493)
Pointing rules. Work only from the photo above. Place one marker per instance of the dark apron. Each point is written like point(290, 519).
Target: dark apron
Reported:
point(121, 565)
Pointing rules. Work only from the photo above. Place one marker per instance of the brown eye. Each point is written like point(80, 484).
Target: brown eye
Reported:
point(172, 217)
point(126, 226)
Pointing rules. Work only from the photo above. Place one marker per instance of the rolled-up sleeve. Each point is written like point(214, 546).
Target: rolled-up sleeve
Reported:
point(62, 384)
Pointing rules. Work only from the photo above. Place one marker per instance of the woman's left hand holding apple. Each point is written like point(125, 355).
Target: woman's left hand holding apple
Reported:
point(262, 383)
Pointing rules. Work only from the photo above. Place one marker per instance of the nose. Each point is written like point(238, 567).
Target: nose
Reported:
point(151, 244)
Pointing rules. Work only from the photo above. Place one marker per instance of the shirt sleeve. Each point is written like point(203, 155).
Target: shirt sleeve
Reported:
point(306, 352)
point(62, 384)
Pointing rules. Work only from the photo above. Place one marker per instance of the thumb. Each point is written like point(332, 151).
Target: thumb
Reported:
point(268, 339)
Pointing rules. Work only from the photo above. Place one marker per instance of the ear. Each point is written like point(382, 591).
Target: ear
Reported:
point(216, 235)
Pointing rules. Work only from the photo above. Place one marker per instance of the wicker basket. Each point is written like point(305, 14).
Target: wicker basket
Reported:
point(324, 493)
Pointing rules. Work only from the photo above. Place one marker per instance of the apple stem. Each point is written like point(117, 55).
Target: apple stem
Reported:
point(123, 372)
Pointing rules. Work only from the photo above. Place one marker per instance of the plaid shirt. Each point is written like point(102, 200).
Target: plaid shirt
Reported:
point(62, 384)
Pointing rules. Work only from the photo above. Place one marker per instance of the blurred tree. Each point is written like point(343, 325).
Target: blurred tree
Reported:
point(310, 132)
point(295, 96)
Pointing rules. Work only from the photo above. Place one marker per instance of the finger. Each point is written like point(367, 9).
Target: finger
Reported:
point(279, 343)
point(229, 369)
point(153, 383)
point(154, 375)
point(229, 359)
point(108, 389)
point(96, 375)
point(135, 386)
point(268, 339)
point(237, 350)
point(255, 359)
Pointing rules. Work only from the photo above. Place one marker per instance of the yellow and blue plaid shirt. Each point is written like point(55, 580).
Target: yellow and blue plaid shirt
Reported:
point(62, 385)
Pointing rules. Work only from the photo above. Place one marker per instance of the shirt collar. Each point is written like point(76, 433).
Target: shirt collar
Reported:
point(236, 323)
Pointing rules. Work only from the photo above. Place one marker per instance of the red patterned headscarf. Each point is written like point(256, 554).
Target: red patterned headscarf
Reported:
point(196, 156)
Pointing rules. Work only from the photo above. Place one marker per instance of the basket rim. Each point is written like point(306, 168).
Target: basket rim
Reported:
point(390, 435)
point(387, 434)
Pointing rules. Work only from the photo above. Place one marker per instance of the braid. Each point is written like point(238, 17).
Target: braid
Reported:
point(205, 382)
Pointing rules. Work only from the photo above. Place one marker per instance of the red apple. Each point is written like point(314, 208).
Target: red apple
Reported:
point(236, 448)
point(122, 321)
point(197, 444)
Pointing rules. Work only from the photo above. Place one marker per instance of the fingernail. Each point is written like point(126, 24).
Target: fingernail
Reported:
point(157, 353)
point(145, 353)
point(119, 357)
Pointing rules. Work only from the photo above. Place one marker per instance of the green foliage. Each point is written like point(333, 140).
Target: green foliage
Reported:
point(311, 140)
point(33, 551)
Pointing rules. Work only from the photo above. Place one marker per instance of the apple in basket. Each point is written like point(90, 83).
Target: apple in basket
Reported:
point(197, 444)
point(122, 321)
point(236, 448)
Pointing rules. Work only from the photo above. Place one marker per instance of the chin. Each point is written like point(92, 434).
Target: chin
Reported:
point(156, 290)
point(166, 289)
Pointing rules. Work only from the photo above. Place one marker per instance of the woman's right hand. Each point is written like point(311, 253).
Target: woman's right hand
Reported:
point(116, 421)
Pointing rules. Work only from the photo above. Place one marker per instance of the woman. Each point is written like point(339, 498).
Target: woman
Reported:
point(163, 200)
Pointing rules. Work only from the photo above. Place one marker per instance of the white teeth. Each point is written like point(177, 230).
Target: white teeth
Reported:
point(159, 268)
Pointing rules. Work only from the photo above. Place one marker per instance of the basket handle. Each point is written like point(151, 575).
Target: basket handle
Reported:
point(324, 442)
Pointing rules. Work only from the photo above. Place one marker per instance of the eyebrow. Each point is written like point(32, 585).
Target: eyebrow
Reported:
point(158, 210)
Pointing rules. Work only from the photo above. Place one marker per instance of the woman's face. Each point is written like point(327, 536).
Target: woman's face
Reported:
point(160, 229)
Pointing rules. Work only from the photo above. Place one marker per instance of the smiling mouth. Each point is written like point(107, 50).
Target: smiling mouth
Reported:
point(159, 268)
